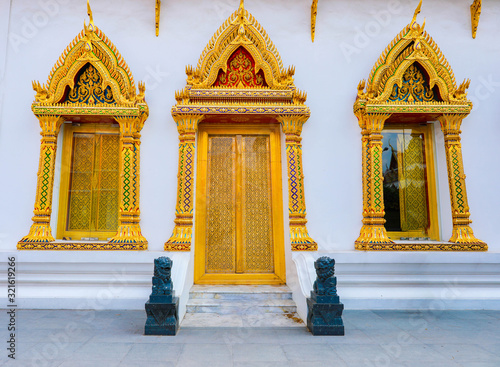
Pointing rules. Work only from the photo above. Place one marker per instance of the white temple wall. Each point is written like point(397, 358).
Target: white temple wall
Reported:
point(350, 36)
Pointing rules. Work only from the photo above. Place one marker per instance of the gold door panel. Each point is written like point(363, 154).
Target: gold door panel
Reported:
point(220, 219)
point(239, 215)
point(257, 239)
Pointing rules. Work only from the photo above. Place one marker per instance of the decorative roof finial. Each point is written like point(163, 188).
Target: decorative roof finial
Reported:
point(417, 11)
point(89, 12)
point(157, 16)
point(241, 11)
point(89, 29)
point(417, 30)
point(475, 13)
point(241, 18)
point(314, 12)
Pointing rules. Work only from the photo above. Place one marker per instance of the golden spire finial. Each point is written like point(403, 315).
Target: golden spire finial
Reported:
point(157, 16)
point(475, 13)
point(89, 29)
point(241, 17)
point(241, 10)
point(417, 11)
point(91, 26)
point(314, 11)
point(89, 13)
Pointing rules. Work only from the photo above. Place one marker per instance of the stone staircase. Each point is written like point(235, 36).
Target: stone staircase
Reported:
point(241, 306)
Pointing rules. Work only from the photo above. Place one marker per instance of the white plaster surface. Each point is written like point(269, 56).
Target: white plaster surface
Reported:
point(39, 31)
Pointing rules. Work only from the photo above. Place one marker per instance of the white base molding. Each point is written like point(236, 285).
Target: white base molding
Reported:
point(90, 280)
point(407, 280)
point(420, 304)
point(366, 280)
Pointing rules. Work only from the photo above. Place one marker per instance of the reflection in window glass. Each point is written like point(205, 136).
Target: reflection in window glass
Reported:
point(405, 187)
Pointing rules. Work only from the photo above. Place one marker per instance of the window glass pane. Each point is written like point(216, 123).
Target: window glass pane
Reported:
point(405, 186)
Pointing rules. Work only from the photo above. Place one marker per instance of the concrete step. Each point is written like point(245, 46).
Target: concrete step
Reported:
point(240, 292)
point(252, 321)
point(240, 307)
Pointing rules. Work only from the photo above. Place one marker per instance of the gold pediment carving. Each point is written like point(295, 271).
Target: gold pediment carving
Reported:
point(241, 29)
point(92, 46)
point(413, 45)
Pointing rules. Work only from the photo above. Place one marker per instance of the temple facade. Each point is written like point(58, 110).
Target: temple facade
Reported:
point(246, 139)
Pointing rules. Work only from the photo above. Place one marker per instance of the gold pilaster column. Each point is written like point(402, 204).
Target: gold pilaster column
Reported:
point(183, 230)
point(292, 128)
point(373, 231)
point(129, 231)
point(40, 231)
point(462, 233)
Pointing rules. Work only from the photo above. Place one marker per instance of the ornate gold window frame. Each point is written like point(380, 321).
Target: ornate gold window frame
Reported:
point(52, 108)
point(373, 108)
point(279, 100)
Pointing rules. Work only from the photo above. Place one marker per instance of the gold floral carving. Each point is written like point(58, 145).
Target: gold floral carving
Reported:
point(93, 46)
point(239, 73)
point(413, 87)
point(89, 89)
point(105, 87)
point(404, 81)
point(240, 29)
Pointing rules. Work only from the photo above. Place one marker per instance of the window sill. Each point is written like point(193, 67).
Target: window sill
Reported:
point(60, 245)
point(424, 245)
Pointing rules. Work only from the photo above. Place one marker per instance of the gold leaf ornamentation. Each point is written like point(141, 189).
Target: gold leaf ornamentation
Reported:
point(413, 88)
point(89, 88)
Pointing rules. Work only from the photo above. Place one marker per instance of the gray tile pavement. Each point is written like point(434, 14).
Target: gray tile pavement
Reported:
point(379, 338)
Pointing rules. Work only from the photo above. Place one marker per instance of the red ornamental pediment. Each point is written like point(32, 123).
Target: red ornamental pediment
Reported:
point(240, 72)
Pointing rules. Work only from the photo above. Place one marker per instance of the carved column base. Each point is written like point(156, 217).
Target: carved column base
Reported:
point(129, 234)
point(40, 232)
point(300, 239)
point(182, 234)
point(373, 235)
point(464, 234)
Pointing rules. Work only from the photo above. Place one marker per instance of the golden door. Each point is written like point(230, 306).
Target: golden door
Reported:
point(239, 211)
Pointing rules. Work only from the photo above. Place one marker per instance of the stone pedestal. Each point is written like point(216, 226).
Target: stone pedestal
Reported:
point(162, 315)
point(325, 318)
